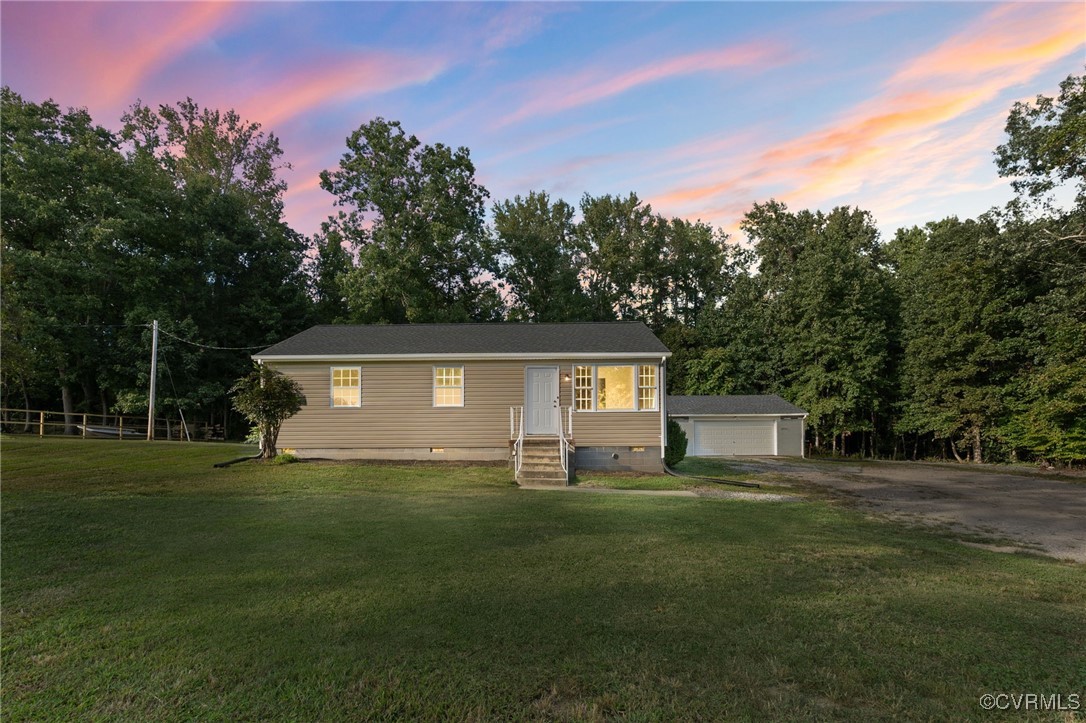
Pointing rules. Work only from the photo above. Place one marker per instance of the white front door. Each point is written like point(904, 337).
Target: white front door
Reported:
point(541, 401)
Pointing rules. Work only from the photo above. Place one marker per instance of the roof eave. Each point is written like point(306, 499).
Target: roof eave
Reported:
point(473, 356)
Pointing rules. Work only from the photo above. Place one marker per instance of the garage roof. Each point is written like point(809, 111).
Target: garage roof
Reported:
point(684, 406)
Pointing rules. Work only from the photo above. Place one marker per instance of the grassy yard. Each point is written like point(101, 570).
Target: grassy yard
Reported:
point(138, 582)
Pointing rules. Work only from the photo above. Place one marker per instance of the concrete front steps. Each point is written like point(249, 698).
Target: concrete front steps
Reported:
point(542, 462)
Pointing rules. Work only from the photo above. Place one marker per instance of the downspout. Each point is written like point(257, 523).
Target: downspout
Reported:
point(803, 438)
point(663, 408)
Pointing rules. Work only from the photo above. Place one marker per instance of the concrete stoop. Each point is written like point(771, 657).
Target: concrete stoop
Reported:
point(542, 463)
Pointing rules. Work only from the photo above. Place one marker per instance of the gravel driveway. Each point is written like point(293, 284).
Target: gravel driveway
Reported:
point(1038, 512)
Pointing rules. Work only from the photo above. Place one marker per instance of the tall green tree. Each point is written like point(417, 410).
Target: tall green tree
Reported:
point(1045, 153)
point(234, 267)
point(1046, 143)
point(827, 306)
point(328, 273)
point(960, 331)
point(540, 260)
point(614, 232)
point(69, 202)
point(415, 214)
point(103, 233)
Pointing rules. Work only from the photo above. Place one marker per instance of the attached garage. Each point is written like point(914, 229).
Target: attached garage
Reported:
point(762, 425)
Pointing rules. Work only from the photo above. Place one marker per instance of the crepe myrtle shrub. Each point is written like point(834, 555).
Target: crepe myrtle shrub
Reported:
point(675, 451)
point(267, 398)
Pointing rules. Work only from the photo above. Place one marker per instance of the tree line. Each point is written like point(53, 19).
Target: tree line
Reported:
point(961, 338)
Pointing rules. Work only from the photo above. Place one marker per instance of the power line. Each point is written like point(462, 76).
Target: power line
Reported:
point(208, 346)
point(163, 331)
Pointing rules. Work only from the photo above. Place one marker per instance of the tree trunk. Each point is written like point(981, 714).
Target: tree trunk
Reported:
point(268, 439)
point(874, 443)
point(954, 449)
point(978, 457)
point(66, 400)
point(26, 407)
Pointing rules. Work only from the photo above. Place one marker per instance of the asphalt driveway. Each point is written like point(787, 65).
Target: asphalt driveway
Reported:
point(1034, 510)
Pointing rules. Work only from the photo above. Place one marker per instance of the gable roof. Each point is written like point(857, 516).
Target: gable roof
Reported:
point(730, 404)
point(466, 340)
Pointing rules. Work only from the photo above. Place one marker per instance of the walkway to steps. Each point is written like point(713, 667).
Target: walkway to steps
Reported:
point(609, 491)
point(710, 493)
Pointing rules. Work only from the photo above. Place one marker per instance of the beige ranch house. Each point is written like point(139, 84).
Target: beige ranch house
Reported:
point(550, 398)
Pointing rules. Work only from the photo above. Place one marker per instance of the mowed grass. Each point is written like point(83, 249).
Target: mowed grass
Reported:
point(141, 583)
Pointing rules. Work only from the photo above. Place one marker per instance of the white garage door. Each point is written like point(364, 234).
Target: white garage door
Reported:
point(727, 437)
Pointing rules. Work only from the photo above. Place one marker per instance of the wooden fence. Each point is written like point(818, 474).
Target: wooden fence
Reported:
point(102, 426)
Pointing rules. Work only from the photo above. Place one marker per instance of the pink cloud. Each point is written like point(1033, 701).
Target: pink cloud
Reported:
point(330, 80)
point(928, 126)
point(590, 86)
point(106, 63)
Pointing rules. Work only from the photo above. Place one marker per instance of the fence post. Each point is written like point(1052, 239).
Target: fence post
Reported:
point(41, 424)
point(120, 426)
point(84, 426)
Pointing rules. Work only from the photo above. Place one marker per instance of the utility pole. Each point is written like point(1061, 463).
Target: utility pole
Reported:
point(154, 376)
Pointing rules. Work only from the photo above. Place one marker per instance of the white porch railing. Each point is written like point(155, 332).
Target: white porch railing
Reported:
point(563, 442)
point(516, 433)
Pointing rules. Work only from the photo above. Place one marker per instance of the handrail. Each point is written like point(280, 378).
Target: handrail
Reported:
point(563, 444)
point(518, 444)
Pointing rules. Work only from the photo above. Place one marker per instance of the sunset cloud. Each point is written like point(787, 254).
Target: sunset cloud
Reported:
point(919, 128)
point(330, 80)
point(552, 96)
point(700, 108)
point(115, 54)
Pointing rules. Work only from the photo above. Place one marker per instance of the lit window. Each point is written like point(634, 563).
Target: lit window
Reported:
point(582, 389)
point(615, 388)
point(346, 387)
point(448, 386)
point(646, 387)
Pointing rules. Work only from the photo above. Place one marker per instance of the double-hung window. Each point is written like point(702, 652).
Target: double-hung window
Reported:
point(448, 386)
point(346, 387)
point(646, 387)
point(615, 388)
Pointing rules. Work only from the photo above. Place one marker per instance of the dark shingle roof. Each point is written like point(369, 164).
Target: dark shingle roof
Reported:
point(730, 404)
point(502, 338)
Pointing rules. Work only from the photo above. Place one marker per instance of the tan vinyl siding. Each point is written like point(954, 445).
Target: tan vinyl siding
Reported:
point(397, 408)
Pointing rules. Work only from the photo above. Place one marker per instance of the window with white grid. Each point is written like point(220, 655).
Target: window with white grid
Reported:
point(448, 386)
point(582, 389)
point(346, 387)
point(646, 387)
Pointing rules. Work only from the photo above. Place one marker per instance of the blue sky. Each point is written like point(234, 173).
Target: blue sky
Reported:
point(700, 108)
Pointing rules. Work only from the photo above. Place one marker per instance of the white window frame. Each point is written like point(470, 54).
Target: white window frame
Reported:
point(462, 386)
point(596, 385)
point(332, 387)
point(655, 387)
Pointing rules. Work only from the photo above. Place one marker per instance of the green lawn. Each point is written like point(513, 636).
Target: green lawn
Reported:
point(139, 582)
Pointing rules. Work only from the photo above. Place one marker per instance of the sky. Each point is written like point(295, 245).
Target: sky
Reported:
point(700, 108)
